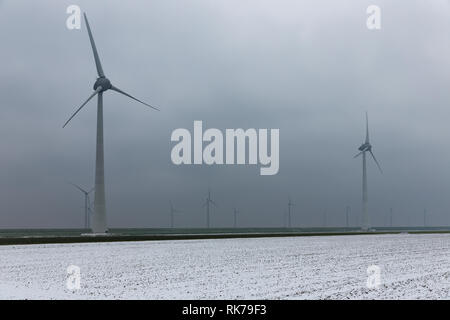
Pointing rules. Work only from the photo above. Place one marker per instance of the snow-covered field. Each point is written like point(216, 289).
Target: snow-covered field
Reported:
point(412, 266)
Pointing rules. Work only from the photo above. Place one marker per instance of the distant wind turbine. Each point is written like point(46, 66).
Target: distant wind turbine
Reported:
point(207, 203)
point(101, 85)
point(235, 212)
point(347, 212)
point(87, 205)
point(290, 205)
point(364, 148)
point(390, 216)
point(172, 214)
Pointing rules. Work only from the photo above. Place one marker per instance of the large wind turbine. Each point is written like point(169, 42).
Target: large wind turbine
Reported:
point(208, 201)
point(101, 85)
point(86, 203)
point(364, 148)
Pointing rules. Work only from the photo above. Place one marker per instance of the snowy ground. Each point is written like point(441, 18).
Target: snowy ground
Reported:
point(412, 267)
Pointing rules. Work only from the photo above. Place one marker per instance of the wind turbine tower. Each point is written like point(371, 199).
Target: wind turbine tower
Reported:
point(390, 216)
point(86, 203)
point(290, 205)
point(364, 148)
point(172, 214)
point(235, 212)
point(347, 211)
point(207, 204)
point(425, 217)
point(101, 85)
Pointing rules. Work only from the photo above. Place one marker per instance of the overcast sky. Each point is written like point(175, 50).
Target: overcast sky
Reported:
point(310, 70)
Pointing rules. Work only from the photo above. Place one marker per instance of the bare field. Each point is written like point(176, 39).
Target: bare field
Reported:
point(324, 267)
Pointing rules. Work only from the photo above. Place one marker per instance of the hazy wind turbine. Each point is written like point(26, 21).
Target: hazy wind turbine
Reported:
point(172, 213)
point(347, 211)
point(207, 203)
point(235, 212)
point(86, 203)
point(364, 148)
point(390, 216)
point(290, 205)
point(101, 85)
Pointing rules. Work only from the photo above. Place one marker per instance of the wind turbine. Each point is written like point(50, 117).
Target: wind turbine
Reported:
point(390, 216)
point(290, 205)
point(364, 148)
point(235, 212)
point(172, 212)
point(101, 85)
point(207, 203)
point(86, 203)
point(347, 211)
point(424, 217)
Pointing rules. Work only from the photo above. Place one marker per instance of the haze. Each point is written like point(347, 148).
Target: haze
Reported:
point(309, 70)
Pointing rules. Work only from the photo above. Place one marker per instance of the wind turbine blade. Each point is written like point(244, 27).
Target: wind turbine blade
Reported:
point(94, 49)
point(78, 187)
point(130, 96)
point(358, 154)
point(93, 188)
point(90, 97)
point(375, 159)
point(213, 203)
point(367, 128)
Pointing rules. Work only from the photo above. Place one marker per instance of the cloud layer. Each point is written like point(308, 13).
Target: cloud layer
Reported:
point(310, 70)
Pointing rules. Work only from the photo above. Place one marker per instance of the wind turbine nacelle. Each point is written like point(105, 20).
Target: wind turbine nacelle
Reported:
point(365, 147)
point(102, 82)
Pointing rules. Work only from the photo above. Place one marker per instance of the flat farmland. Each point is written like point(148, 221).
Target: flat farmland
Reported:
point(412, 266)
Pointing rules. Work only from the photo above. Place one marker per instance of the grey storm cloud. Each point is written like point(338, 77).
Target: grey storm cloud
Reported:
point(310, 70)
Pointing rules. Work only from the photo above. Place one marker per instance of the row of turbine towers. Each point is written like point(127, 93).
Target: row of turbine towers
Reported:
point(287, 216)
point(97, 220)
point(209, 203)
